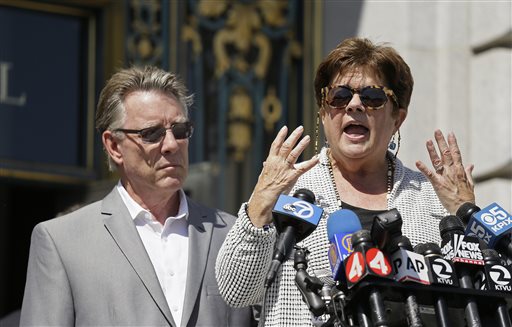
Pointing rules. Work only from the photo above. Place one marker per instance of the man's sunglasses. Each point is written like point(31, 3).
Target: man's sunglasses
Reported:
point(155, 134)
point(373, 96)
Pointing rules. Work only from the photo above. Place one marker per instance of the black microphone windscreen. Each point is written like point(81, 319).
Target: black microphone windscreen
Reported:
point(400, 242)
point(451, 225)
point(491, 256)
point(386, 226)
point(361, 236)
point(428, 249)
point(466, 210)
point(305, 194)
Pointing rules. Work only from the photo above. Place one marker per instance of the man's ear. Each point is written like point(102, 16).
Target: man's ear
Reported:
point(111, 145)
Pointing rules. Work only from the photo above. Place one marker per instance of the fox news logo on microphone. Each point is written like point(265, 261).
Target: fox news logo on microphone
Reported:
point(462, 248)
point(490, 224)
point(467, 249)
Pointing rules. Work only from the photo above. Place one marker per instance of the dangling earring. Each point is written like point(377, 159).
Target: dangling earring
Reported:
point(392, 144)
point(395, 145)
point(317, 131)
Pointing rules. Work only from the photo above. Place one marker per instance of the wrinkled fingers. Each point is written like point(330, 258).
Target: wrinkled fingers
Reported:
point(289, 144)
point(444, 149)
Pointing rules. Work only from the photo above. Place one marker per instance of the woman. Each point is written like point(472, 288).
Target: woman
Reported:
point(363, 92)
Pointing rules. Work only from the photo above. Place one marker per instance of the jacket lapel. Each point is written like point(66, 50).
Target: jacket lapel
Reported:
point(122, 229)
point(199, 237)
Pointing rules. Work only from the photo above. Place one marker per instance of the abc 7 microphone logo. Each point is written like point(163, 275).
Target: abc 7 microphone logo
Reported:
point(301, 209)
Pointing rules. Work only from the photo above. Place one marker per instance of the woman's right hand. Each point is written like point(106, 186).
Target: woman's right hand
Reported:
point(279, 174)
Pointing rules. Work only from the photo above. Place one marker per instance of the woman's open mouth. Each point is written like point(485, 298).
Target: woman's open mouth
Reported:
point(356, 131)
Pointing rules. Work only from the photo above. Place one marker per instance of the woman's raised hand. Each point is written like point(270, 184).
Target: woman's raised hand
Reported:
point(452, 182)
point(279, 174)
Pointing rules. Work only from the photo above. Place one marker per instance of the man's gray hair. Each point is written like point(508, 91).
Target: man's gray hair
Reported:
point(110, 112)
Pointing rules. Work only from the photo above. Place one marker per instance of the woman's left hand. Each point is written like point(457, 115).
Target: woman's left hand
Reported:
point(452, 182)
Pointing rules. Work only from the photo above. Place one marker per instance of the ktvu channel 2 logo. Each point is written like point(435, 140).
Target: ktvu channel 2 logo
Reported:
point(301, 209)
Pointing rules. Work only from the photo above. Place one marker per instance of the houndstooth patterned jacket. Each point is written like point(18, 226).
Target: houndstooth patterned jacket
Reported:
point(246, 254)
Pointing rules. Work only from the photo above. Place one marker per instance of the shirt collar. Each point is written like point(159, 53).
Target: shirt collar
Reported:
point(135, 209)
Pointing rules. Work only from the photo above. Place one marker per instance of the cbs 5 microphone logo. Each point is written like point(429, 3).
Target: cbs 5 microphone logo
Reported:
point(372, 262)
point(489, 224)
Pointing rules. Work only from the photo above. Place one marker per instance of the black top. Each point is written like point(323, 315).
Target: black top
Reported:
point(365, 216)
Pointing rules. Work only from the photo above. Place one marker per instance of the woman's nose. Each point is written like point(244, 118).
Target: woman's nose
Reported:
point(355, 104)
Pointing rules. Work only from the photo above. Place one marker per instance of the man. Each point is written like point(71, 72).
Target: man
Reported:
point(145, 254)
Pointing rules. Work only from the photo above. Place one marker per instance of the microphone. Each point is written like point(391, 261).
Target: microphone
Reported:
point(340, 227)
point(492, 225)
point(497, 277)
point(386, 226)
point(456, 246)
point(295, 218)
point(367, 260)
point(441, 272)
point(463, 251)
point(408, 266)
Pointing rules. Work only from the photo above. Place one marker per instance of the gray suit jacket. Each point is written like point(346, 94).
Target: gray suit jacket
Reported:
point(90, 268)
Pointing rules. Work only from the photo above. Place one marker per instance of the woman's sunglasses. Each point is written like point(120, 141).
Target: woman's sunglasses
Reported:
point(373, 96)
point(155, 134)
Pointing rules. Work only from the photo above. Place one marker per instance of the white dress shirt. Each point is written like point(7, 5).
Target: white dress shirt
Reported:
point(167, 247)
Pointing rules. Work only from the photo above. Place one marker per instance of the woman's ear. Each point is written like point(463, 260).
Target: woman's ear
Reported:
point(400, 118)
point(322, 113)
point(111, 145)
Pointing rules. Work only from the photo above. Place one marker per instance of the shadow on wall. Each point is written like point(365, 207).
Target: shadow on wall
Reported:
point(343, 17)
point(11, 320)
